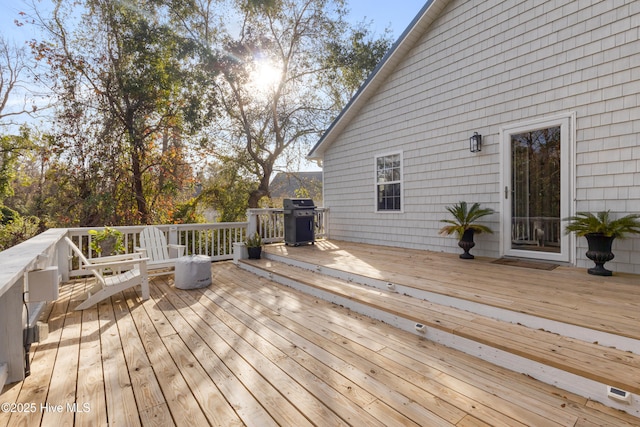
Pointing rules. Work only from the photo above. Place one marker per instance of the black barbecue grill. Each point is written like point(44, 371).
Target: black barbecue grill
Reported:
point(299, 221)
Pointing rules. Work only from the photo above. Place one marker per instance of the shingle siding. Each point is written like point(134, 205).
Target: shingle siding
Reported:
point(483, 65)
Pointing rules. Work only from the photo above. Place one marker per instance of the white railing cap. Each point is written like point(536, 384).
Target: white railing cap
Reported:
point(27, 256)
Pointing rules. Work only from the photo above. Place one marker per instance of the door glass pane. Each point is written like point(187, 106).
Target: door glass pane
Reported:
point(535, 190)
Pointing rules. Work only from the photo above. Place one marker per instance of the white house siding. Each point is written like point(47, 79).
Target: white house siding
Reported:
point(483, 65)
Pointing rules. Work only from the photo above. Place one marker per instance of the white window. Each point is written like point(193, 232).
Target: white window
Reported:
point(389, 182)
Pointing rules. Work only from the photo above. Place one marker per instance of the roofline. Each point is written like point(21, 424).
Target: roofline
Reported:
point(385, 67)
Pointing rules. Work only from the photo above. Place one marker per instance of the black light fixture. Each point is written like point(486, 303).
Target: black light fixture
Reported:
point(475, 143)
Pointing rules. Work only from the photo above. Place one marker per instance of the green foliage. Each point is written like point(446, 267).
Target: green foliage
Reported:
point(12, 147)
point(253, 241)
point(584, 223)
point(302, 193)
point(464, 219)
point(262, 124)
point(18, 230)
point(350, 60)
point(8, 159)
point(186, 213)
point(7, 215)
point(108, 241)
point(226, 191)
point(257, 6)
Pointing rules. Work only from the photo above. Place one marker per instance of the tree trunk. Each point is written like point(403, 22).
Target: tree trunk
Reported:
point(262, 190)
point(255, 196)
point(138, 189)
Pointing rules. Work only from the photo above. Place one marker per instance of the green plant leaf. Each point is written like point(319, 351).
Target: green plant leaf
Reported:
point(584, 223)
point(464, 218)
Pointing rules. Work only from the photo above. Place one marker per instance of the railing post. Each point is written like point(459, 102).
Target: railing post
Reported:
point(173, 235)
point(12, 320)
point(325, 223)
point(62, 254)
point(252, 226)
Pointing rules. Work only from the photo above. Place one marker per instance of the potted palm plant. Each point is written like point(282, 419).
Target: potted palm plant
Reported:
point(462, 225)
point(600, 231)
point(254, 246)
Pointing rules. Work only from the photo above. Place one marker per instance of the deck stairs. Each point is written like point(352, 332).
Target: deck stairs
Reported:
point(598, 366)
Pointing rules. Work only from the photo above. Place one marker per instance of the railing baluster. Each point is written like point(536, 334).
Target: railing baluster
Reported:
point(215, 240)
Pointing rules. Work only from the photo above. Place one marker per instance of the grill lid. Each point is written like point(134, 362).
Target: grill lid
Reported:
point(291, 204)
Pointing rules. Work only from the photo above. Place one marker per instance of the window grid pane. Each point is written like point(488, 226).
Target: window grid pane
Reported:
point(388, 179)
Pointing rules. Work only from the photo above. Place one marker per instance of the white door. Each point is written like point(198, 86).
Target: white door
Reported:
point(537, 190)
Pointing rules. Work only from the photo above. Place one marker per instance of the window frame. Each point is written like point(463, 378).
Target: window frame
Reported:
point(377, 184)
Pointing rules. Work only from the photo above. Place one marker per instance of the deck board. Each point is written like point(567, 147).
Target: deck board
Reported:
point(566, 294)
point(179, 399)
point(418, 380)
point(586, 359)
point(368, 360)
point(246, 351)
point(90, 384)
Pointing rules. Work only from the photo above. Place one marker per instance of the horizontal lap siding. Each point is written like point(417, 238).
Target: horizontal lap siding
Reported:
point(481, 66)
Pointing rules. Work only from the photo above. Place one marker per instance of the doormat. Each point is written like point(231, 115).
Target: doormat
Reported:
point(525, 264)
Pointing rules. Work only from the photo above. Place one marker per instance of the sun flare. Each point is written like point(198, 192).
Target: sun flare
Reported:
point(265, 76)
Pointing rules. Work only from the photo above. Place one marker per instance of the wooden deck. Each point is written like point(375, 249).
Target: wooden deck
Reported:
point(246, 351)
point(565, 294)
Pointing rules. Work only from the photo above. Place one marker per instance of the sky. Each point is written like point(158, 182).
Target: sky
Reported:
point(381, 13)
point(8, 13)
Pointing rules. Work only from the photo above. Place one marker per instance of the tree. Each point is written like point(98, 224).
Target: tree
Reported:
point(138, 83)
point(269, 88)
point(126, 102)
point(226, 190)
point(14, 228)
point(13, 67)
point(350, 60)
point(270, 82)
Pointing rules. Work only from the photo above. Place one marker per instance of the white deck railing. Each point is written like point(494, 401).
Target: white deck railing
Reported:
point(269, 223)
point(49, 250)
point(40, 252)
point(214, 240)
point(531, 230)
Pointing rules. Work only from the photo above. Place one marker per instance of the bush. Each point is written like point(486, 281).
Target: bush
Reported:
point(110, 241)
point(7, 215)
point(17, 230)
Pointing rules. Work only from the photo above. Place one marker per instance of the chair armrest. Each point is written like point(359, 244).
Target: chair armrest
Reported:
point(114, 264)
point(179, 248)
point(113, 258)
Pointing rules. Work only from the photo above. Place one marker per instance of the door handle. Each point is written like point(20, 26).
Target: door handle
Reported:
point(506, 192)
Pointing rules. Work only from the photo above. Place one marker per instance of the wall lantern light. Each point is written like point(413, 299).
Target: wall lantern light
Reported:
point(475, 143)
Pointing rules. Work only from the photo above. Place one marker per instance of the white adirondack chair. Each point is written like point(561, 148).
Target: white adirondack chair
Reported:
point(127, 271)
point(155, 247)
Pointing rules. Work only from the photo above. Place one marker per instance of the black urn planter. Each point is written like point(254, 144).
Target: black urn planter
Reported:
point(466, 243)
point(599, 252)
point(254, 252)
